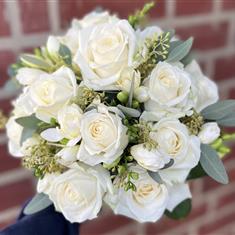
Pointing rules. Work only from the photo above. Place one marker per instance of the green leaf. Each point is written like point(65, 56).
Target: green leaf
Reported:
point(212, 164)
point(66, 54)
point(219, 110)
point(180, 51)
point(228, 121)
point(38, 203)
point(156, 177)
point(196, 172)
point(34, 62)
point(188, 58)
point(11, 86)
point(129, 111)
point(30, 122)
point(181, 211)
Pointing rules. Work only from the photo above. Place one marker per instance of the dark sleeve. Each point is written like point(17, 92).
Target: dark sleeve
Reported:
point(46, 222)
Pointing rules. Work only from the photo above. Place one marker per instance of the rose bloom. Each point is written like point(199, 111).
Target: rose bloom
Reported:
point(78, 192)
point(51, 91)
point(104, 137)
point(168, 88)
point(104, 51)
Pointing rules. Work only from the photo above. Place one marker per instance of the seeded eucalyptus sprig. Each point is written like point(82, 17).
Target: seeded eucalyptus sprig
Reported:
point(156, 49)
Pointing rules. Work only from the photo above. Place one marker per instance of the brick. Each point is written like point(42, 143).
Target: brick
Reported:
point(232, 92)
point(23, 189)
point(206, 36)
point(34, 16)
point(7, 162)
point(5, 106)
point(190, 7)
point(104, 224)
point(226, 199)
point(224, 68)
point(77, 9)
point(217, 224)
point(6, 58)
point(4, 26)
point(210, 184)
point(228, 4)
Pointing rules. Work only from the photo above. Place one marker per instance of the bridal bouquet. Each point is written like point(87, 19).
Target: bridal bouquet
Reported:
point(109, 112)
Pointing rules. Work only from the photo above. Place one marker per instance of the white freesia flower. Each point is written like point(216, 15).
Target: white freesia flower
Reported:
point(69, 118)
point(78, 192)
point(26, 76)
point(51, 91)
point(173, 140)
point(127, 75)
point(152, 159)
point(146, 204)
point(68, 155)
point(104, 136)
point(205, 90)
point(169, 87)
point(94, 18)
point(104, 51)
point(209, 132)
point(141, 94)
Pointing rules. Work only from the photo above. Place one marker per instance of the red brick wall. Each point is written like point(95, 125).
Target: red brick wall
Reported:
point(25, 24)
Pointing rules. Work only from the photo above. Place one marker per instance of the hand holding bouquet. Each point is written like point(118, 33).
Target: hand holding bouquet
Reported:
point(112, 113)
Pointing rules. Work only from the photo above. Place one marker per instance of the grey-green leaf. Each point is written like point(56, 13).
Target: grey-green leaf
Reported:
point(219, 110)
point(228, 121)
point(30, 122)
point(34, 61)
point(180, 50)
point(156, 177)
point(65, 53)
point(169, 164)
point(38, 203)
point(129, 111)
point(212, 164)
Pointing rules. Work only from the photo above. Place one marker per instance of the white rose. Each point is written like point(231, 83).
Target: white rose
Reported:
point(94, 18)
point(104, 51)
point(78, 193)
point(51, 91)
point(126, 77)
point(45, 184)
point(26, 76)
point(205, 90)
point(14, 132)
point(173, 140)
point(69, 118)
point(209, 132)
point(169, 87)
point(104, 137)
point(146, 204)
point(149, 159)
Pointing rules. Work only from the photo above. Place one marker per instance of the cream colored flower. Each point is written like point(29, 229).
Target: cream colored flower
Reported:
point(209, 132)
point(104, 51)
point(104, 137)
point(78, 192)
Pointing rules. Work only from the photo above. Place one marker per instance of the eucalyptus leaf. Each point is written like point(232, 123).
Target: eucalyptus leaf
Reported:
point(169, 164)
point(129, 111)
point(188, 58)
point(66, 54)
point(181, 211)
point(212, 164)
point(11, 86)
point(228, 121)
point(30, 122)
point(174, 44)
point(219, 110)
point(34, 62)
point(156, 177)
point(180, 51)
point(38, 203)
